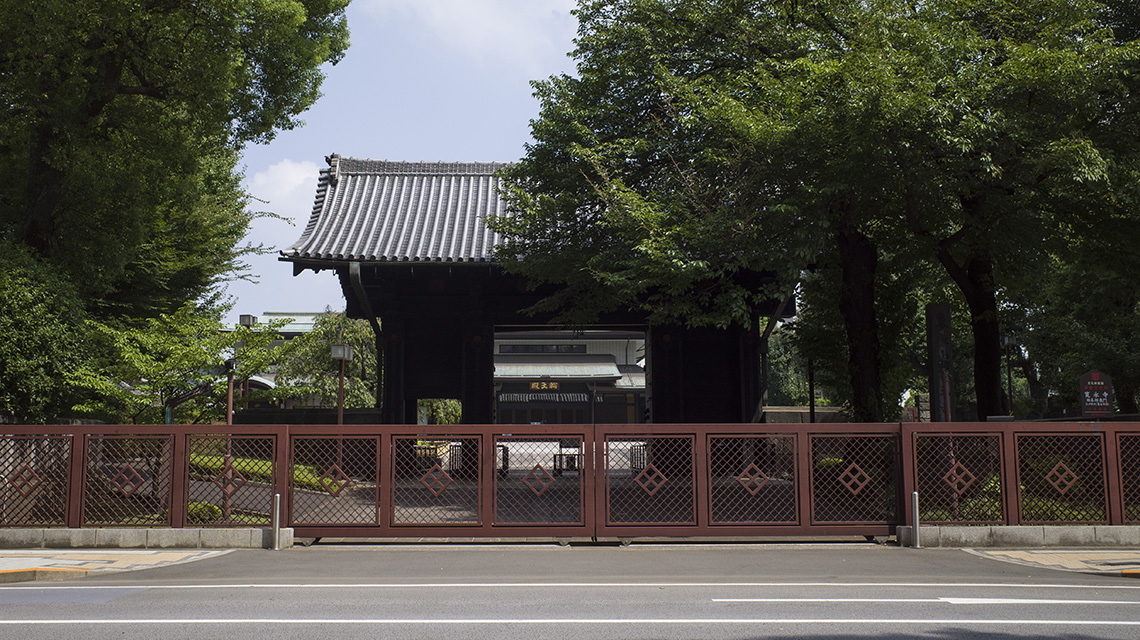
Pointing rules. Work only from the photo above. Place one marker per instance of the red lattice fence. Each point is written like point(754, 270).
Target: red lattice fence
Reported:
point(571, 480)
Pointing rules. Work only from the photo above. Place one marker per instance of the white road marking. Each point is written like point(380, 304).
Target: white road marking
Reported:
point(983, 601)
point(590, 585)
point(1028, 601)
point(578, 621)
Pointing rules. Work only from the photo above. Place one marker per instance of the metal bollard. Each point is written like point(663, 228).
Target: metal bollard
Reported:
point(914, 507)
point(277, 522)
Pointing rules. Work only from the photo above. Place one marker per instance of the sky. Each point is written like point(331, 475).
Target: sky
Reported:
point(423, 80)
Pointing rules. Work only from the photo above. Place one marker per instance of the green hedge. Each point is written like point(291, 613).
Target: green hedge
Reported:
point(256, 470)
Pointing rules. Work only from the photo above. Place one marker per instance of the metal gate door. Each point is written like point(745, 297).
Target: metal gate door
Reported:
point(447, 482)
point(594, 481)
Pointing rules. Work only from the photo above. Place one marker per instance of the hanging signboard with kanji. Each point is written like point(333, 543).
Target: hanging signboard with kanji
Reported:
point(1097, 396)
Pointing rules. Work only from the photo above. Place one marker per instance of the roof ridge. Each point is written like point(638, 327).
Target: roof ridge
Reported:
point(343, 165)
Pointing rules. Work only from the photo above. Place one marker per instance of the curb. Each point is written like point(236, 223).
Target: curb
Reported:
point(128, 538)
point(1110, 574)
point(1022, 536)
point(41, 575)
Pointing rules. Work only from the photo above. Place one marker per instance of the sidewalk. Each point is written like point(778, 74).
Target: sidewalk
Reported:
point(25, 565)
point(20, 565)
point(1098, 562)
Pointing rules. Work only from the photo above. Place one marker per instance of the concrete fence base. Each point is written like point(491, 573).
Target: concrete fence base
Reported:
point(122, 538)
point(1022, 536)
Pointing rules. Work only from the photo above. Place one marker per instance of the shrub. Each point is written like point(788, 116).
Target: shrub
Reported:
point(202, 512)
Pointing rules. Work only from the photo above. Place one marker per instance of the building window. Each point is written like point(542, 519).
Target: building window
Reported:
point(542, 348)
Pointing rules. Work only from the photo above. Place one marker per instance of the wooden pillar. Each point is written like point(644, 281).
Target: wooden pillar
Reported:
point(751, 383)
point(478, 369)
point(665, 375)
point(697, 375)
point(392, 377)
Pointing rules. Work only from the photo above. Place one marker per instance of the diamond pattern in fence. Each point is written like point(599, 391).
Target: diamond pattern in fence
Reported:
point(959, 478)
point(854, 478)
point(435, 482)
point(649, 480)
point(129, 480)
point(336, 480)
point(1130, 476)
point(34, 473)
point(1061, 478)
point(230, 481)
point(752, 480)
point(538, 480)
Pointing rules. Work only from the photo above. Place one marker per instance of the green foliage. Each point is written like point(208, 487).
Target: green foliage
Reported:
point(42, 339)
point(120, 139)
point(176, 361)
point(192, 243)
point(305, 476)
point(112, 104)
point(253, 469)
point(1087, 316)
point(308, 374)
point(203, 512)
point(441, 410)
point(863, 143)
point(788, 384)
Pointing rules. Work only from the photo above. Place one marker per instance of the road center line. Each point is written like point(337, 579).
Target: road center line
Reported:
point(577, 621)
point(590, 585)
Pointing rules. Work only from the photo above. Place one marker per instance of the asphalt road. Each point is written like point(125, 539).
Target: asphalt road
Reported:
point(744, 591)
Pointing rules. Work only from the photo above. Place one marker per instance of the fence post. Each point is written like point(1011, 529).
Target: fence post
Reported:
point(1011, 479)
point(78, 469)
point(701, 451)
point(281, 470)
point(179, 469)
point(805, 477)
point(907, 444)
point(1112, 469)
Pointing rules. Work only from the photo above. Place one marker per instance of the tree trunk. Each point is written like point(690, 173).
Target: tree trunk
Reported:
point(982, 302)
point(45, 185)
point(44, 193)
point(1038, 394)
point(975, 279)
point(858, 258)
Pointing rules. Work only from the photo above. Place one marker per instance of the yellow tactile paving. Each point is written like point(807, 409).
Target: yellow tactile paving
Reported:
point(125, 561)
point(90, 560)
point(1085, 560)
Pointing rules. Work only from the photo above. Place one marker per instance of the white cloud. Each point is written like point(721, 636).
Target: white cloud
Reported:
point(281, 182)
point(523, 33)
point(286, 188)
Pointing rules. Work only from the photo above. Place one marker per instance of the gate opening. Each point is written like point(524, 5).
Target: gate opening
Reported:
point(570, 377)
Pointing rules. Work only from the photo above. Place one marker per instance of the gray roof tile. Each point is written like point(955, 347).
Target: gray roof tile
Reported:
point(384, 211)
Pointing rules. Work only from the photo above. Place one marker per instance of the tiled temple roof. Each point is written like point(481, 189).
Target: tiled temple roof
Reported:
point(383, 211)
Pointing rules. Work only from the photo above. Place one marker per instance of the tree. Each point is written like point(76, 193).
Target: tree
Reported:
point(120, 138)
point(176, 363)
point(703, 141)
point(41, 340)
point(122, 118)
point(309, 374)
point(1025, 119)
point(1087, 314)
point(703, 144)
